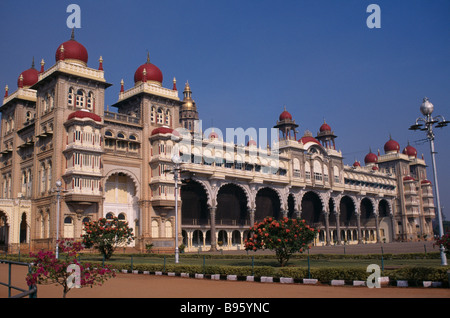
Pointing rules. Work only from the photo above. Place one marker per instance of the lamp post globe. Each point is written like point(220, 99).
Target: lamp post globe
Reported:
point(427, 107)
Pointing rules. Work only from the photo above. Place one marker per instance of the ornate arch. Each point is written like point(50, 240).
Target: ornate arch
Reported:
point(242, 186)
point(389, 205)
point(130, 174)
point(207, 187)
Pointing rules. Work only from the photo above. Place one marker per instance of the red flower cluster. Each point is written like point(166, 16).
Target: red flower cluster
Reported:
point(106, 234)
point(285, 237)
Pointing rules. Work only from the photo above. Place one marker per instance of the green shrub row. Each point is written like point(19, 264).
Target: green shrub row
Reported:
point(431, 255)
point(414, 275)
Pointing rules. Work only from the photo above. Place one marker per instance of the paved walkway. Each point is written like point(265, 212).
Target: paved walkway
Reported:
point(151, 286)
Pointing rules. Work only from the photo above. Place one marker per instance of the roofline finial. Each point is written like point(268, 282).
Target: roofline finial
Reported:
point(72, 37)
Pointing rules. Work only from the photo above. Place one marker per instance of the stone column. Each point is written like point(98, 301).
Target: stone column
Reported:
point(338, 228)
point(212, 212)
point(251, 213)
point(377, 228)
point(327, 227)
point(358, 221)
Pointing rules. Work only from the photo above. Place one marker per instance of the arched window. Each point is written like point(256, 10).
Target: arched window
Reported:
point(109, 141)
point(155, 229)
point(336, 174)
point(133, 144)
point(122, 216)
point(159, 116)
point(49, 175)
point(90, 100)
point(68, 227)
point(296, 164)
point(70, 97)
point(109, 215)
point(167, 118)
point(80, 99)
point(168, 228)
point(307, 171)
point(43, 175)
point(318, 171)
point(46, 103)
point(51, 100)
point(121, 143)
point(153, 115)
point(325, 174)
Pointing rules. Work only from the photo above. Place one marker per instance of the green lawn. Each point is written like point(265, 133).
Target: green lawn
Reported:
point(357, 261)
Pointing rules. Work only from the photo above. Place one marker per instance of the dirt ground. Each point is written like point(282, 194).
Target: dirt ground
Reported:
point(151, 286)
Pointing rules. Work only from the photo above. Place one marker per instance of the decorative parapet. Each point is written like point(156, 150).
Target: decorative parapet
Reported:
point(22, 93)
point(74, 69)
point(150, 89)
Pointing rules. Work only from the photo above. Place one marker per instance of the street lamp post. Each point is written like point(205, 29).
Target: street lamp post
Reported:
point(176, 160)
point(58, 196)
point(426, 124)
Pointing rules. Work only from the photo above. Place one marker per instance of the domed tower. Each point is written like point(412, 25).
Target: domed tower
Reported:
point(370, 159)
point(28, 78)
point(188, 110)
point(148, 73)
point(286, 126)
point(410, 151)
point(326, 136)
point(391, 146)
point(72, 51)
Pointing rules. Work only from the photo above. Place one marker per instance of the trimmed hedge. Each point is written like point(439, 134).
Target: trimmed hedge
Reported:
point(414, 275)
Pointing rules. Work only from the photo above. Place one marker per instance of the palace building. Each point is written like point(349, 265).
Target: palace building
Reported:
point(55, 126)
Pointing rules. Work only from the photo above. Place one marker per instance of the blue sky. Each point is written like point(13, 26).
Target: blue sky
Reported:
point(245, 60)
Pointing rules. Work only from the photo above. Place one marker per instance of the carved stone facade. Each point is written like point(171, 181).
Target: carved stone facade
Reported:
point(119, 163)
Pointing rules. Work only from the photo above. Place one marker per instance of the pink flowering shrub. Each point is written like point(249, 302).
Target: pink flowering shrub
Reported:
point(47, 269)
point(285, 237)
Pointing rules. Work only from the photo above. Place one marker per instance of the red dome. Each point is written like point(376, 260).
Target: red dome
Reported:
point(356, 164)
point(391, 145)
point(213, 135)
point(251, 142)
point(425, 182)
point(285, 115)
point(84, 114)
point(306, 139)
point(370, 158)
point(410, 151)
point(408, 178)
point(30, 77)
point(374, 168)
point(153, 73)
point(164, 130)
point(325, 127)
point(73, 50)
